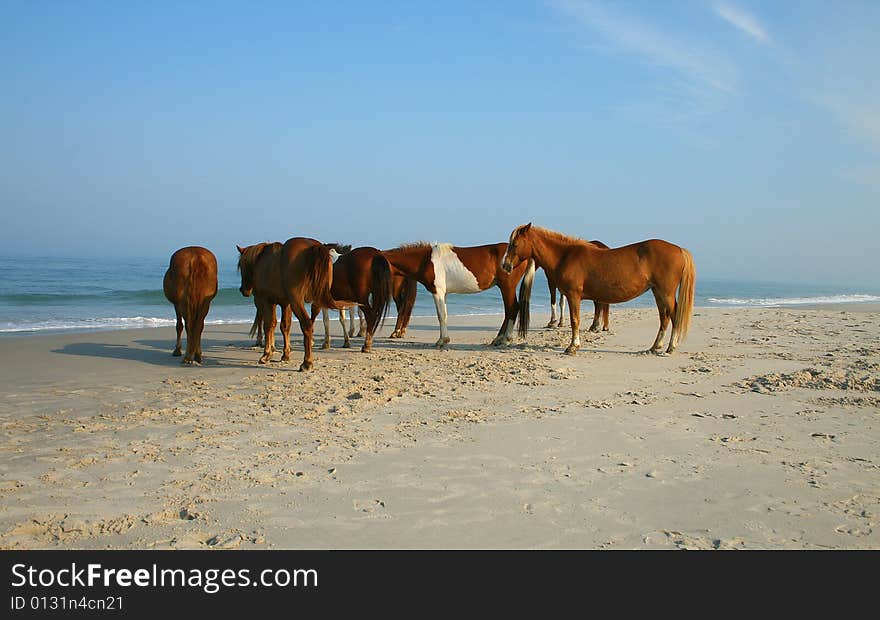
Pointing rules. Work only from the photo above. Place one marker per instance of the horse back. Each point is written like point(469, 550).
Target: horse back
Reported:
point(191, 277)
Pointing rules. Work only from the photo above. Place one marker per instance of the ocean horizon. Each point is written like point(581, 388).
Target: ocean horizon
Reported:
point(51, 295)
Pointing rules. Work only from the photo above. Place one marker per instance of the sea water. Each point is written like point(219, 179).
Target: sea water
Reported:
point(46, 295)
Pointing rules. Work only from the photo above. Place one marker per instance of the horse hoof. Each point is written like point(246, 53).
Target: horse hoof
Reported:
point(326, 345)
point(346, 345)
point(441, 342)
point(594, 330)
point(361, 334)
point(366, 349)
point(264, 360)
point(305, 366)
point(177, 353)
point(571, 351)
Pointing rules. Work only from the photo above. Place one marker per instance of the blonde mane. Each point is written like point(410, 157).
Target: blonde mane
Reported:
point(413, 245)
point(552, 234)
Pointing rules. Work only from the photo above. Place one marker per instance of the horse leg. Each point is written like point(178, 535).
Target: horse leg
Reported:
point(440, 303)
point(307, 326)
point(177, 352)
point(597, 311)
point(606, 314)
point(189, 324)
point(574, 313)
point(372, 323)
point(325, 314)
point(362, 324)
point(286, 321)
point(347, 343)
point(552, 322)
point(664, 309)
point(198, 328)
point(673, 335)
point(267, 311)
point(511, 309)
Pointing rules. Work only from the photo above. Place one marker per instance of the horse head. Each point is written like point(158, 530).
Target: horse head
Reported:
point(518, 248)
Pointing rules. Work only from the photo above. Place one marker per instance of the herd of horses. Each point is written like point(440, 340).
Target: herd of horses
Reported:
point(366, 281)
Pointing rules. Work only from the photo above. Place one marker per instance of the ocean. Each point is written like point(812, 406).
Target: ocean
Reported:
point(48, 295)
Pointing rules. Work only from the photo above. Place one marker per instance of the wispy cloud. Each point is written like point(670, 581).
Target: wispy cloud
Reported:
point(689, 61)
point(742, 20)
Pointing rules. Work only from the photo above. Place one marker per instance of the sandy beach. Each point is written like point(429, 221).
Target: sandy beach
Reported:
point(761, 433)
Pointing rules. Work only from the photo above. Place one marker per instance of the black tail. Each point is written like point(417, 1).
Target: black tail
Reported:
point(406, 300)
point(380, 290)
point(525, 297)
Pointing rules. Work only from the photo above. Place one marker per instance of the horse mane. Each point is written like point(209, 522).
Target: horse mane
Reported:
point(413, 245)
point(340, 248)
point(252, 253)
point(558, 236)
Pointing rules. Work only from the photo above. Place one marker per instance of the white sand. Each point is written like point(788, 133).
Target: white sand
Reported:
point(107, 442)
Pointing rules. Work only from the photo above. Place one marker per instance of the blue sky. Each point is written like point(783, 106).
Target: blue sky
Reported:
point(748, 132)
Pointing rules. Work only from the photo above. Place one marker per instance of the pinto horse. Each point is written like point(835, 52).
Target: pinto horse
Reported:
point(289, 275)
point(601, 311)
point(362, 279)
point(190, 284)
point(583, 271)
point(443, 268)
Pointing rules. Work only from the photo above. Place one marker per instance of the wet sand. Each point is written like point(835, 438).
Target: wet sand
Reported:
point(762, 432)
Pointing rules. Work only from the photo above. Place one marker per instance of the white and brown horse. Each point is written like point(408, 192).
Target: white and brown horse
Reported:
point(583, 271)
point(443, 268)
point(601, 312)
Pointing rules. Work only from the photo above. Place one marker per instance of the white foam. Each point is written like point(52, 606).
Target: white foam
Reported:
point(793, 301)
point(118, 322)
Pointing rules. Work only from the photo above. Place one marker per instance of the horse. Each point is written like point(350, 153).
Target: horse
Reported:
point(583, 271)
point(600, 311)
point(404, 290)
point(260, 271)
point(257, 329)
point(443, 268)
point(362, 279)
point(289, 275)
point(337, 250)
point(190, 284)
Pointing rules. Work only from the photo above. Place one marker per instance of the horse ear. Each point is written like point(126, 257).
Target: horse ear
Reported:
point(527, 227)
point(240, 249)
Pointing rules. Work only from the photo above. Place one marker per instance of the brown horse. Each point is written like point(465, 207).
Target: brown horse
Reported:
point(583, 271)
point(282, 275)
point(404, 290)
point(443, 268)
point(362, 279)
point(601, 312)
point(190, 284)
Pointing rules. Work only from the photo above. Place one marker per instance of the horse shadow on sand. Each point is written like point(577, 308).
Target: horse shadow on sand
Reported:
point(157, 352)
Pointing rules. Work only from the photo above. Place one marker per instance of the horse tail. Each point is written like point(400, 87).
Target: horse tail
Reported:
point(319, 276)
point(380, 288)
point(256, 324)
point(684, 305)
point(525, 296)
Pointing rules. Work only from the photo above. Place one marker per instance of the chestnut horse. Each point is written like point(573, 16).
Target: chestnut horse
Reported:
point(289, 275)
point(583, 271)
point(443, 268)
point(257, 331)
point(404, 290)
point(361, 279)
point(600, 311)
point(190, 284)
